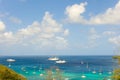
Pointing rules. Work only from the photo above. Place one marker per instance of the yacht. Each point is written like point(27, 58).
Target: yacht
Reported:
point(10, 60)
point(61, 61)
point(53, 58)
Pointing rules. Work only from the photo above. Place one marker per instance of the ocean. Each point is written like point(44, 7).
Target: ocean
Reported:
point(91, 67)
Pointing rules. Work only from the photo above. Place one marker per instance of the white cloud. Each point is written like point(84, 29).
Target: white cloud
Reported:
point(7, 38)
point(45, 34)
point(2, 26)
point(93, 34)
point(74, 12)
point(49, 25)
point(115, 40)
point(93, 31)
point(2, 15)
point(66, 32)
point(110, 16)
point(15, 20)
point(32, 29)
point(109, 33)
point(92, 38)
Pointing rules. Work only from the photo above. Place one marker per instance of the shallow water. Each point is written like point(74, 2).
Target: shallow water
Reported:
point(32, 67)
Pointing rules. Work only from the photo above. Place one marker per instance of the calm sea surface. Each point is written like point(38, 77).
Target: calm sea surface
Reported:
point(93, 67)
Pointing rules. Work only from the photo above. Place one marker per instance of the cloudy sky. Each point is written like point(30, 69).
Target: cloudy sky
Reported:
point(59, 27)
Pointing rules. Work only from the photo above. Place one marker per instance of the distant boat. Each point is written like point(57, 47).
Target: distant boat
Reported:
point(83, 76)
point(94, 72)
point(87, 66)
point(34, 72)
point(53, 58)
point(41, 74)
point(100, 71)
point(82, 62)
point(66, 78)
point(10, 60)
point(109, 72)
point(61, 61)
point(23, 69)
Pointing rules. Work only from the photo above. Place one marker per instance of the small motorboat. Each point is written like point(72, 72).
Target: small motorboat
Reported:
point(109, 72)
point(83, 76)
point(94, 72)
point(61, 61)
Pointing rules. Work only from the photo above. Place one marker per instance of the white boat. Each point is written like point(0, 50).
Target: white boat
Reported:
point(94, 72)
point(100, 73)
point(53, 58)
point(83, 76)
point(82, 62)
point(109, 72)
point(10, 60)
point(61, 61)
point(41, 74)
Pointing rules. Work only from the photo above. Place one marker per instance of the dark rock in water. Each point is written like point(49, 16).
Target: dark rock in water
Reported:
point(8, 74)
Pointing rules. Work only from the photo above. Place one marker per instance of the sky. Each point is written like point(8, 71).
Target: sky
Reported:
point(59, 27)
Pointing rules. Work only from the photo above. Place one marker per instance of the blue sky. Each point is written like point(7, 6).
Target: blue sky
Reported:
point(64, 27)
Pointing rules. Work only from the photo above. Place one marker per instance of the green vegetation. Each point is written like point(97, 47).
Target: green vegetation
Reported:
point(54, 75)
point(116, 72)
point(8, 74)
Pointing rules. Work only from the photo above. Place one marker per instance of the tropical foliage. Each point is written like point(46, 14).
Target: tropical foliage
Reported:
point(54, 74)
point(116, 72)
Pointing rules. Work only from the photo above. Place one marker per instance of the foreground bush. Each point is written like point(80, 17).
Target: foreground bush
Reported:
point(54, 74)
point(116, 72)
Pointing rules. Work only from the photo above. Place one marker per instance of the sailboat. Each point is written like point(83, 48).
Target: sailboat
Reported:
point(87, 66)
point(94, 72)
point(100, 71)
point(81, 62)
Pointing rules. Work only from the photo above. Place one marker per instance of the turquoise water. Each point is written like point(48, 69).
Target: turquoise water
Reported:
point(73, 69)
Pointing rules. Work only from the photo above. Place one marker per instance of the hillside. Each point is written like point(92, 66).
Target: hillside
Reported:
point(8, 74)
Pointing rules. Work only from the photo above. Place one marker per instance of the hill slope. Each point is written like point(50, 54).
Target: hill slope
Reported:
point(8, 74)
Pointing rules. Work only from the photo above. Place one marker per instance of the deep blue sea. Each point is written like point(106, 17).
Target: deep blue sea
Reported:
point(93, 67)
